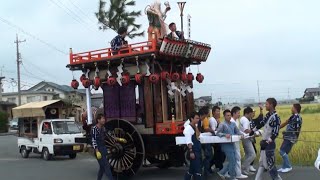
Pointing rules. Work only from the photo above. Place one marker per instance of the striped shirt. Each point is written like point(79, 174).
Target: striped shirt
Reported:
point(274, 123)
point(293, 127)
point(96, 135)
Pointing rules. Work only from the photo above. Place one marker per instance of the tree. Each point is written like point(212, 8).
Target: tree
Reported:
point(117, 16)
point(3, 122)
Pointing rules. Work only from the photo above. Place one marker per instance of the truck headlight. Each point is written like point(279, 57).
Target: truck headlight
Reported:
point(58, 141)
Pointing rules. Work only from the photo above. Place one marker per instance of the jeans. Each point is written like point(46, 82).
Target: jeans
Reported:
point(250, 154)
point(195, 168)
point(231, 157)
point(238, 159)
point(104, 166)
point(284, 151)
point(208, 158)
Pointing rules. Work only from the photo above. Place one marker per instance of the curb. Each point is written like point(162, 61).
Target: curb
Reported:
point(8, 134)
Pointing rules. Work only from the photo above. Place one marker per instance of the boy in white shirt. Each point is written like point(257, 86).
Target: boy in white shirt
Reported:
point(250, 154)
point(235, 112)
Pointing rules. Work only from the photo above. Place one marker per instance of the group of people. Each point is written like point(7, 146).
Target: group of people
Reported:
point(226, 157)
point(119, 42)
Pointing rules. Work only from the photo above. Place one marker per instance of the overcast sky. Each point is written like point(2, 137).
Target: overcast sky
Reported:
point(275, 42)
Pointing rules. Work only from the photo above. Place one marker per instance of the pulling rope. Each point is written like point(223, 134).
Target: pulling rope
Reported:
point(300, 140)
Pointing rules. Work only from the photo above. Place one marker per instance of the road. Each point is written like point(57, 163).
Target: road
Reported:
point(84, 167)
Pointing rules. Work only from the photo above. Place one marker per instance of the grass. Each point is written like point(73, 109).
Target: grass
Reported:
point(302, 153)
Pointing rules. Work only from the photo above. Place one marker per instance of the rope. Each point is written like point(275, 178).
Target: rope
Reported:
point(300, 140)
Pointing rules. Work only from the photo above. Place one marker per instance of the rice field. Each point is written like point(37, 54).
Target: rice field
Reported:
point(302, 153)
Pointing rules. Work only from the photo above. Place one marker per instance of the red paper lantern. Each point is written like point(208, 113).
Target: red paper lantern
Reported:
point(175, 77)
point(111, 81)
point(190, 77)
point(125, 79)
point(138, 78)
point(154, 78)
point(86, 82)
point(184, 77)
point(200, 77)
point(74, 84)
point(96, 82)
point(82, 77)
point(165, 75)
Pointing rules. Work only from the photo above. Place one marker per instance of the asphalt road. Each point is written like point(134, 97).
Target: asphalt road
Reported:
point(84, 167)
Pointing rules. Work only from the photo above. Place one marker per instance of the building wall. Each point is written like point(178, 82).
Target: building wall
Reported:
point(26, 98)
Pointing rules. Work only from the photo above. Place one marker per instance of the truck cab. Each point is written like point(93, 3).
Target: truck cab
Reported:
point(48, 137)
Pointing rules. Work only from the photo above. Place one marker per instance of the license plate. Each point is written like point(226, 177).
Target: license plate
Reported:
point(76, 148)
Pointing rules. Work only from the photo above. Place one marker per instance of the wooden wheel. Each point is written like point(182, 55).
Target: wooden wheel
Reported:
point(125, 158)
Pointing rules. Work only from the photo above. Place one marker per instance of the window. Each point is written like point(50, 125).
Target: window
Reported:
point(45, 98)
point(12, 100)
point(46, 128)
point(65, 127)
point(31, 99)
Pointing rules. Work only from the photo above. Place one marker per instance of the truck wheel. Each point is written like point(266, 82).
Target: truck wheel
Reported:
point(46, 155)
point(24, 152)
point(72, 156)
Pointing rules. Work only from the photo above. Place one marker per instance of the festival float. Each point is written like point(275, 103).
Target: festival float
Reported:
point(147, 90)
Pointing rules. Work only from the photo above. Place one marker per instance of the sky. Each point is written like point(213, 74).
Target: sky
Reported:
point(272, 45)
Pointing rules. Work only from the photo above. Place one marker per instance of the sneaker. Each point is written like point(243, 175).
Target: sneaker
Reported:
point(221, 176)
point(227, 175)
point(280, 170)
point(248, 173)
point(242, 176)
point(287, 170)
point(252, 169)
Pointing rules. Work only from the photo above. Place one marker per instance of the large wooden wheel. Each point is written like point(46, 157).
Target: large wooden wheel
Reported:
point(127, 157)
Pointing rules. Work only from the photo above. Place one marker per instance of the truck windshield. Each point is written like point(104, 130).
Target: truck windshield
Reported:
point(65, 127)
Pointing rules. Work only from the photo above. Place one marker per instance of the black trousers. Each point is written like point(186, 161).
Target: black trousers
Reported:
point(255, 150)
point(218, 157)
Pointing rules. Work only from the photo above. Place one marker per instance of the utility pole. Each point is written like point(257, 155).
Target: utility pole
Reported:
point(258, 91)
point(18, 67)
point(1, 77)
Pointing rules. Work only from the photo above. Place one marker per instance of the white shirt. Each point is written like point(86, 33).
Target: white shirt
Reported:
point(317, 162)
point(244, 124)
point(213, 123)
point(188, 132)
point(186, 123)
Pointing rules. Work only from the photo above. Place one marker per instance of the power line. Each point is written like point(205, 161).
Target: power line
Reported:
point(33, 36)
point(81, 11)
point(71, 13)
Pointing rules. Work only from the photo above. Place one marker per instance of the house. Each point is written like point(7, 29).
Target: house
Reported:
point(203, 101)
point(311, 92)
point(44, 91)
point(97, 100)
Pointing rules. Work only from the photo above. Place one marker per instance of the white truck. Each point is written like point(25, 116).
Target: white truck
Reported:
point(42, 131)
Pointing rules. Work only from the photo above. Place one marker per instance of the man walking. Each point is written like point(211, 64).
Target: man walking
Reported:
point(208, 153)
point(227, 129)
point(218, 155)
point(235, 112)
point(253, 124)
point(249, 151)
point(98, 134)
point(191, 132)
point(271, 124)
point(290, 136)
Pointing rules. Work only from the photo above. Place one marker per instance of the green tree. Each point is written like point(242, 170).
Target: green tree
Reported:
point(116, 15)
point(3, 122)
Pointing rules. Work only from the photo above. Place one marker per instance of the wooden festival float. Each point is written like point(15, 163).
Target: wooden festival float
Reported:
point(147, 94)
